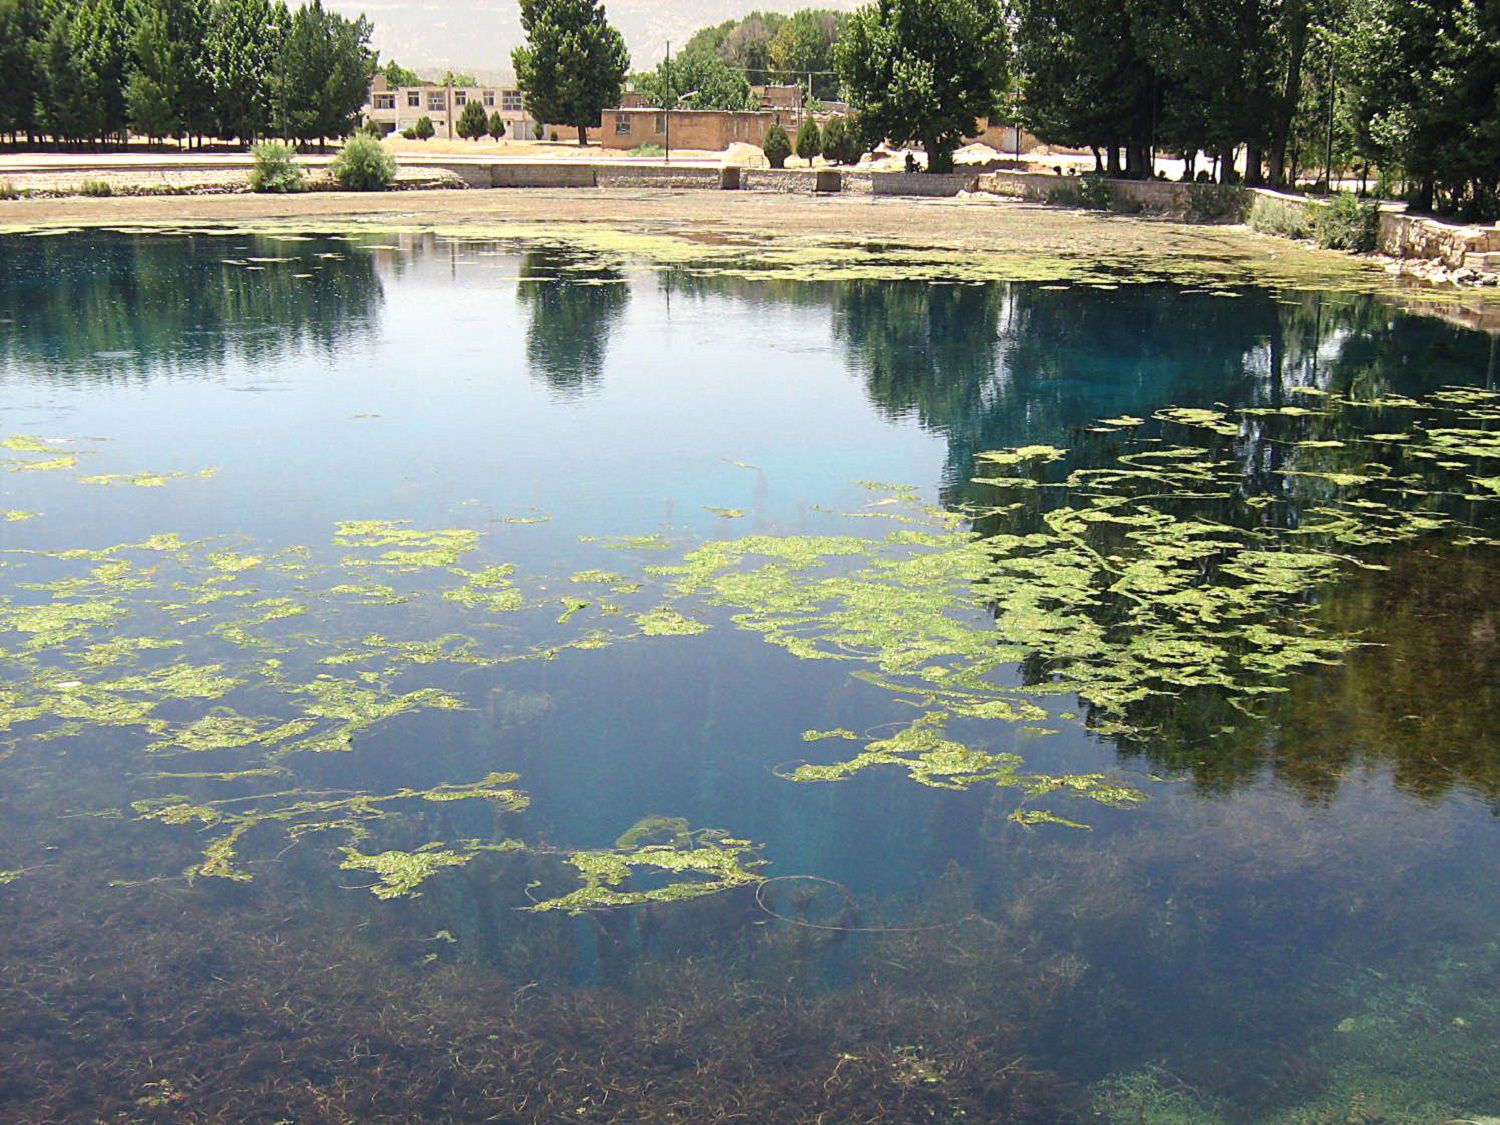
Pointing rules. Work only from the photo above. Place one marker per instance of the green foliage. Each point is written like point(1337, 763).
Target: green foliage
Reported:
point(364, 165)
point(96, 188)
point(275, 168)
point(805, 45)
point(1095, 193)
point(705, 76)
point(777, 146)
point(809, 139)
point(322, 74)
point(495, 126)
point(423, 130)
point(397, 75)
point(1271, 217)
point(1347, 223)
point(473, 122)
point(841, 141)
point(244, 42)
point(925, 71)
point(573, 64)
point(649, 149)
point(1216, 202)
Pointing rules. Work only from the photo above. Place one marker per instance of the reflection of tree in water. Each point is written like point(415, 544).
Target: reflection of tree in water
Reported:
point(141, 304)
point(575, 305)
point(1422, 696)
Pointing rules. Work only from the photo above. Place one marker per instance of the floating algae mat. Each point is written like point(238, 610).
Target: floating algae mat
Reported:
point(833, 660)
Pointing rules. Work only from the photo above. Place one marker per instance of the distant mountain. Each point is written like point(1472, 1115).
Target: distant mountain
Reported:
point(477, 36)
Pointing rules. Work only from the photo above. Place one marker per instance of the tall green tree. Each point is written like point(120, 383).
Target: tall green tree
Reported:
point(573, 64)
point(21, 28)
point(169, 92)
point(804, 46)
point(398, 76)
point(703, 75)
point(82, 63)
point(925, 70)
point(1425, 83)
point(323, 74)
point(244, 42)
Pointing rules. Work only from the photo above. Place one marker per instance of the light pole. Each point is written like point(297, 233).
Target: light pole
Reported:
point(673, 103)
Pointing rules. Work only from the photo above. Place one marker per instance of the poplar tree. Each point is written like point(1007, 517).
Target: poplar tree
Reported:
point(573, 64)
point(925, 70)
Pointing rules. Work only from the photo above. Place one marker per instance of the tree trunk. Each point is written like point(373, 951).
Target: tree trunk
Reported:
point(1254, 176)
point(1113, 168)
point(939, 158)
point(583, 135)
point(1286, 104)
point(1098, 160)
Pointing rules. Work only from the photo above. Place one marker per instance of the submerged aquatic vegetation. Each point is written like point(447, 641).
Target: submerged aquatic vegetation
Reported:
point(696, 864)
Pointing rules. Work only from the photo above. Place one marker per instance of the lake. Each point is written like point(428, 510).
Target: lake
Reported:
point(487, 680)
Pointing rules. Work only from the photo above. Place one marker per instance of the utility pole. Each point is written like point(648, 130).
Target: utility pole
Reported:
point(669, 97)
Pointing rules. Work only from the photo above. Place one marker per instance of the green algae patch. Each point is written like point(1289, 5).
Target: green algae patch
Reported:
point(706, 863)
point(144, 479)
point(667, 622)
point(401, 873)
point(403, 547)
point(17, 515)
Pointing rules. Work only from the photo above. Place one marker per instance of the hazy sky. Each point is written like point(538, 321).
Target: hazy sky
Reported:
point(477, 35)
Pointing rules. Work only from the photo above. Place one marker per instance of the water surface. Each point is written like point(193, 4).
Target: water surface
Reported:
point(469, 572)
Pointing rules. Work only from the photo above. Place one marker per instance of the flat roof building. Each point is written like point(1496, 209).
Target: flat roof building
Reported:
point(395, 109)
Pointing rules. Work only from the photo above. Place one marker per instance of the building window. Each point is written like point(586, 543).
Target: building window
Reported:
point(385, 101)
point(622, 124)
point(461, 98)
point(489, 99)
point(512, 101)
point(436, 103)
point(414, 99)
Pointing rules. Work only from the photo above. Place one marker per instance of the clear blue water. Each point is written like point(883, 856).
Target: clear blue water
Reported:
point(1295, 924)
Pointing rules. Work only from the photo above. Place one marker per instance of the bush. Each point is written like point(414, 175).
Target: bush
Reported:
point(777, 146)
point(1095, 192)
point(555, 137)
point(97, 188)
point(1209, 202)
point(1271, 217)
point(410, 132)
point(372, 128)
point(473, 123)
point(539, 131)
point(651, 148)
point(495, 126)
point(1348, 223)
point(809, 140)
point(8, 190)
point(275, 169)
point(841, 141)
point(423, 129)
point(363, 165)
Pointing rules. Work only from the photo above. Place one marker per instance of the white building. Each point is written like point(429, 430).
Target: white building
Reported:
point(396, 110)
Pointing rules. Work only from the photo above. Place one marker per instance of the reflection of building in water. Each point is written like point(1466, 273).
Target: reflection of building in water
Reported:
point(134, 305)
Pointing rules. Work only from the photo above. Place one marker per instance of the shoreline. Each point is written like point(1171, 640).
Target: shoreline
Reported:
point(796, 237)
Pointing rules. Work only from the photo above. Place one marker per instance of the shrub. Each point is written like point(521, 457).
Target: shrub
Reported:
point(473, 123)
point(97, 188)
point(651, 148)
point(777, 146)
point(809, 140)
point(364, 165)
point(372, 128)
point(410, 132)
point(495, 126)
point(539, 131)
point(8, 190)
point(555, 137)
point(1348, 223)
point(1271, 217)
point(1209, 202)
point(275, 168)
point(841, 141)
point(1095, 192)
point(423, 129)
